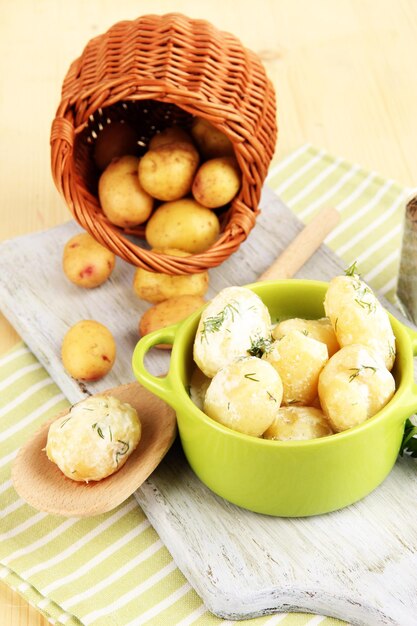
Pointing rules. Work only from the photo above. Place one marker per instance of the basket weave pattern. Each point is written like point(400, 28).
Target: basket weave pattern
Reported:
point(153, 72)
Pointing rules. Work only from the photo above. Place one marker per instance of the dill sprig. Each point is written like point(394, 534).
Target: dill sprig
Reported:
point(259, 345)
point(352, 270)
point(213, 324)
point(124, 449)
point(250, 376)
point(65, 421)
point(358, 370)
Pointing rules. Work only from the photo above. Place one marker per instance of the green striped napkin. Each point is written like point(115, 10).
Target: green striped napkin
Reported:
point(113, 569)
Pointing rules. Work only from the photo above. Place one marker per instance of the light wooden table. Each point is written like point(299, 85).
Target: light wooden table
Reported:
point(344, 72)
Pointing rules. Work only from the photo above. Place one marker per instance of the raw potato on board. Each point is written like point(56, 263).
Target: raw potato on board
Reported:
point(88, 350)
point(86, 262)
point(156, 287)
point(168, 312)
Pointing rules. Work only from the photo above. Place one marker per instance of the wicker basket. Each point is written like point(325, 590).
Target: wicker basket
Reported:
point(152, 72)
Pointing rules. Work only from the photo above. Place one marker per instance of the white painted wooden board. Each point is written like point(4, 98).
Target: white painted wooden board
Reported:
point(358, 564)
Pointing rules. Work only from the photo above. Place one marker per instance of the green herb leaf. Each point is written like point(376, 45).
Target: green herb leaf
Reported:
point(357, 370)
point(214, 323)
point(124, 449)
point(65, 421)
point(251, 377)
point(409, 442)
point(351, 270)
point(259, 345)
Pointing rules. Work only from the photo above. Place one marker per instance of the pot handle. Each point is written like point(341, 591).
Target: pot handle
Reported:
point(159, 385)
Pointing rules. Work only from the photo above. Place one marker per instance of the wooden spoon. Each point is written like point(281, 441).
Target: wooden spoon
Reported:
point(42, 484)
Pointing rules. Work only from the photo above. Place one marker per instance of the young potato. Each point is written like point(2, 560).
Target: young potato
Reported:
point(115, 140)
point(357, 316)
point(198, 387)
point(298, 423)
point(156, 287)
point(88, 350)
point(94, 439)
point(230, 326)
point(122, 199)
point(245, 396)
point(321, 330)
point(172, 134)
point(167, 172)
point(210, 141)
point(168, 312)
point(217, 182)
point(85, 262)
point(298, 360)
point(353, 386)
point(183, 224)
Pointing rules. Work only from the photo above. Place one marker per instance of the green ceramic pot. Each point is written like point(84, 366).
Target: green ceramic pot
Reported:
point(283, 478)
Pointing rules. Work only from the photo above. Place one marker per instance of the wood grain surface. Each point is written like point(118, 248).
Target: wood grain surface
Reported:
point(344, 73)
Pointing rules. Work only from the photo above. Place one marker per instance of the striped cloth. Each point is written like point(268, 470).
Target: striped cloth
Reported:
point(113, 569)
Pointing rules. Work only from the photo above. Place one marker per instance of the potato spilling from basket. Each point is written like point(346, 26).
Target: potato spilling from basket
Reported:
point(175, 187)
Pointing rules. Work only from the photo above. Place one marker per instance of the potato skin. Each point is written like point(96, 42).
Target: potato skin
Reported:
point(353, 386)
point(88, 350)
point(299, 360)
point(170, 311)
point(210, 141)
point(124, 202)
point(321, 330)
point(172, 134)
point(115, 140)
point(85, 262)
point(358, 317)
point(298, 423)
point(156, 287)
point(183, 224)
point(217, 182)
point(245, 396)
point(167, 172)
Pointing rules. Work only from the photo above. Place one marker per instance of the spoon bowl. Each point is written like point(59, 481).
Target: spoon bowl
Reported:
point(42, 484)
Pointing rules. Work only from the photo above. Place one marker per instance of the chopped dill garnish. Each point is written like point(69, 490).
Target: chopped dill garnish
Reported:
point(369, 306)
point(65, 421)
point(259, 345)
point(305, 332)
point(351, 270)
point(271, 397)
point(122, 451)
point(214, 323)
point(357, 370)
point(96, 427)
point(250, 377)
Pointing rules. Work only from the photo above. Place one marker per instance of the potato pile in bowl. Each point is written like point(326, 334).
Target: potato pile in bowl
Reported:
point(298, 379)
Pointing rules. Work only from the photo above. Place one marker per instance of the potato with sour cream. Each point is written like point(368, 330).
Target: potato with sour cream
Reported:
point(230, 326)
point(245, 395)
point(321, 330)
point(298, 423)
point(353, 386)
point(299, 360)
point(358, 317)
point(94, 439)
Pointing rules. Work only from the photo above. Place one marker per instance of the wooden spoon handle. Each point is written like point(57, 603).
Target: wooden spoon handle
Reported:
point(303, 246)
